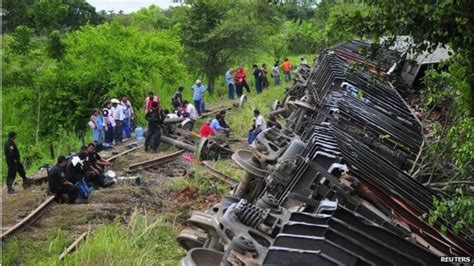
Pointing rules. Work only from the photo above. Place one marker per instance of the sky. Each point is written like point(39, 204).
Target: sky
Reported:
point(127, 6)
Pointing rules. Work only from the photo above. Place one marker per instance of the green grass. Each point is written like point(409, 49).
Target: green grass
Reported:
point(201, 180)
point(23, 250)
point(143, 241)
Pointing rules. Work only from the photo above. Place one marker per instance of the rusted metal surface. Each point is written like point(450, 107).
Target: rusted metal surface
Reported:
point(332, 187)
point(213, 112)
point(32, 217)
point(154, 162)
point(224, 178)
point(110, 159)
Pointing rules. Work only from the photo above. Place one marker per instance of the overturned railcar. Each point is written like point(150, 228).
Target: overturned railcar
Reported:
point(331, 187)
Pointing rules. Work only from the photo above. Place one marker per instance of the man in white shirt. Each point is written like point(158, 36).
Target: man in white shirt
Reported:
point(119, 116)
point(259, 125)
point(109, 123)
point(191, 110)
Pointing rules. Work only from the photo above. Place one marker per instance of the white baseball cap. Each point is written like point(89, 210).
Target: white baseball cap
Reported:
point(115, 100)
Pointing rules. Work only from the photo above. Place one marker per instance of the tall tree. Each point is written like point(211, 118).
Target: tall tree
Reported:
point(21, 42)
point(217, 32)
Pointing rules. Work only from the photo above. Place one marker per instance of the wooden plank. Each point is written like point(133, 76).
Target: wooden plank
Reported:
point(73, 246)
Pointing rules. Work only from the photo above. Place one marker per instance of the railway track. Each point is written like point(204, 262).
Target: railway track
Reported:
point(154, 162)
point(41, 209)
point(31, 218)
point(222, 177)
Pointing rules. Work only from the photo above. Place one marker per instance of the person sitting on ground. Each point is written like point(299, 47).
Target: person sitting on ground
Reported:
point(258, 126)
point(216, 126)
point(224, 124)
point(206, 130)
point(272, 122)
point(75, 169)
point(95, 166)
point(155, 118)
point(177, 99)
point(57, 181)
point(192, 113)
point(303, 61)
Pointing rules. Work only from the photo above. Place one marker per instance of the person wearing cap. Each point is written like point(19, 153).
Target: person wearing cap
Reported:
point(57, 182)
point(119, 116)
point(230, 83)
point(177, 99)
point(198, 96)
point(155, 118)
point(14, 165)
point(276, 74)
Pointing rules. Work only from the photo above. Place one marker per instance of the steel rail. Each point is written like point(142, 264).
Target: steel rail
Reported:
point(32, 217)
point(154, 162)
point(224, 178)
point(123, 153)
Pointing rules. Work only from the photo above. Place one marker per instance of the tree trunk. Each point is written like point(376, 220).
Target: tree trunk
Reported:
point(211, 80)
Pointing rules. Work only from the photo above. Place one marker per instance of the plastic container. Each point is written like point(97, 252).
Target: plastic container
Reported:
point(139, 133)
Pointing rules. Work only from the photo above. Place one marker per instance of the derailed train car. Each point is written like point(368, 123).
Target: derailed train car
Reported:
point(331, 187)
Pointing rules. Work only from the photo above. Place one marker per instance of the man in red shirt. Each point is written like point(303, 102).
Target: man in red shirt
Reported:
point(206, 130)
point(286, 66)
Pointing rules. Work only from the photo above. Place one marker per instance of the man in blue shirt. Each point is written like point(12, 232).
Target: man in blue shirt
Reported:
point(230, 83)
point(216, 125)
point(198, 93)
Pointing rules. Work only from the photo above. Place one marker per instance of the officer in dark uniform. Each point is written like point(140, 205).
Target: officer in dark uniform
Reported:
point(155, 118)
point(12, 156)
point(57, 181)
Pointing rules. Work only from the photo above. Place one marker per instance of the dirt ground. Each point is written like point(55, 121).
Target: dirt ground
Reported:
point(154, 194)
point(170, 191)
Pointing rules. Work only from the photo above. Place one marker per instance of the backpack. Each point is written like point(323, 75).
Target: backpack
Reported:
point(84, 190)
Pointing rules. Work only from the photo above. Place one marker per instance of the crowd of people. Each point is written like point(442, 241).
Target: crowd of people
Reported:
point(237, 81)
point(113, 124)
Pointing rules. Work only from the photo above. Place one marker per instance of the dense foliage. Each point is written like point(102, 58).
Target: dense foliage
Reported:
point(61, 59)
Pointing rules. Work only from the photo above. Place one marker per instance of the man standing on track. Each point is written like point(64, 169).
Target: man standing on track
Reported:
point(12, 157)
point(198, 96)
point(119, 116)
point(155, 118)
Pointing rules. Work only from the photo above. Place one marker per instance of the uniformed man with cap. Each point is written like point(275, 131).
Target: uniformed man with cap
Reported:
point(12, 157)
